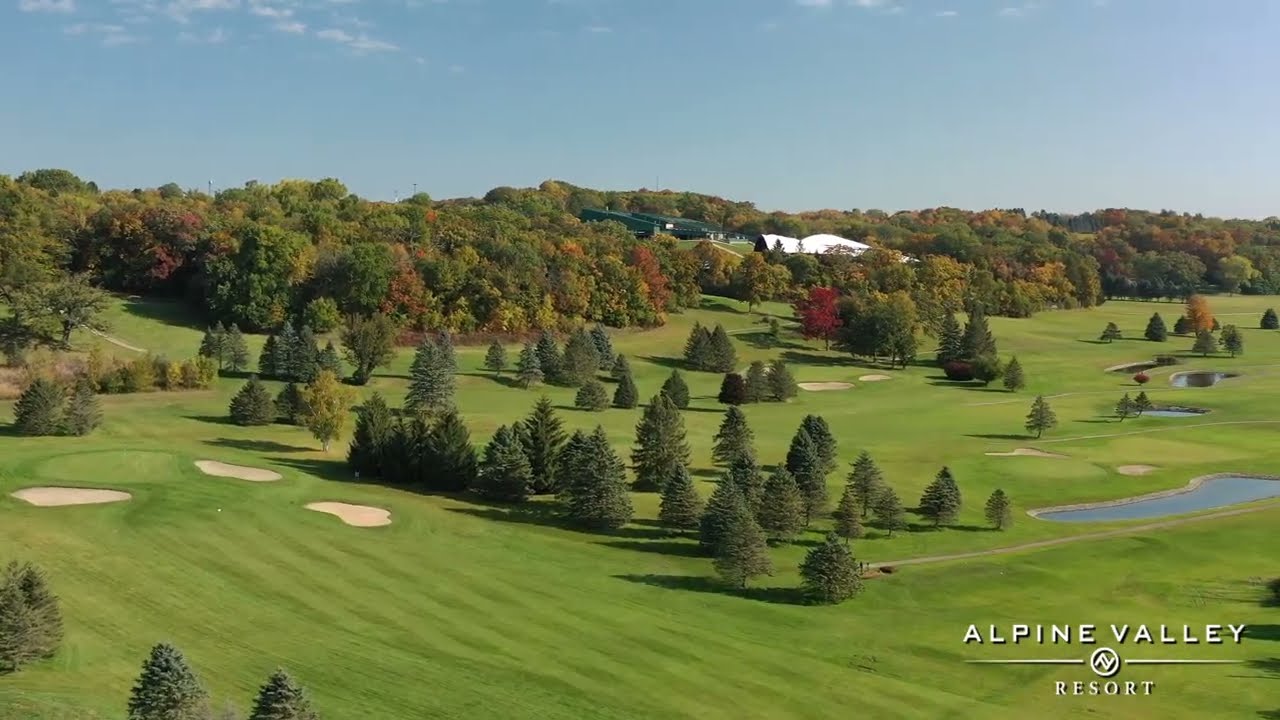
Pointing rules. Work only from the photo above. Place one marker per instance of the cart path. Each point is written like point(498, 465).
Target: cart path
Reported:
point(117, 341)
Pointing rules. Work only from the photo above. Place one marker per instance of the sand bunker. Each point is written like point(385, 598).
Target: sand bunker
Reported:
point(820, 386)
point(1026, 452)
point(1136, 469)
point(357, 515)
point(56, 496)
point(874, 378)
point(240, 472)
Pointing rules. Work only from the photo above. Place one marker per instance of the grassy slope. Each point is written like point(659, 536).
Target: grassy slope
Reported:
point(459, 610)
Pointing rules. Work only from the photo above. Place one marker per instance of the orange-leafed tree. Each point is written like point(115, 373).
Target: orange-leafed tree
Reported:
point(1199, 314)
point(650, 271)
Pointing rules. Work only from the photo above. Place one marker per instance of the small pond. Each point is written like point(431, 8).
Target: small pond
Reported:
point(1198, 379)
point(1171, 413)
point(1216, 492)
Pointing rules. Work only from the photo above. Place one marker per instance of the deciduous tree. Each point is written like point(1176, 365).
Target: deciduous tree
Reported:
point(818, 316)
point(1199, 314)
point(368, 343)
point(326, 402)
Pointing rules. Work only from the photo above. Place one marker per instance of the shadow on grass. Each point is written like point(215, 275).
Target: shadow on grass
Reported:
point(929, 527)
point(168, 312)
point(1095, 421)
point(211, 419)
point(692, 583)
point(711, 302)
point(1270, 666)
point(667, 362)
point(335, 469)
point(9, 430)
point(763, 340)
point(263, 446)
point(708, 473)
point(812, 358)
point(510, 381)
point(547, 515)
point(1002, 436)
point(659, 547)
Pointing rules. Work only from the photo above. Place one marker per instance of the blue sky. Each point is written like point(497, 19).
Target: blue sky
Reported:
point(792, 104)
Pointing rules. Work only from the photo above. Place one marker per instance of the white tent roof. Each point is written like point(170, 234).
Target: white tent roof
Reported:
point(820, 243)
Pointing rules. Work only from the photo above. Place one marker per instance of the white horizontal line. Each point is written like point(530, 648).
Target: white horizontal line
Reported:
point(1026, 662)
point(1182, 662)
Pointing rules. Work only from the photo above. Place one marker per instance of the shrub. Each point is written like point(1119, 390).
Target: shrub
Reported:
point(138, 376)
point(958, 370)
point(321, 315)
point(1274, 588)
point(1142, 378)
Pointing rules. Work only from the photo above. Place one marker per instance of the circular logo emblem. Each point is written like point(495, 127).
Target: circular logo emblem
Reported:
point(1104, 662)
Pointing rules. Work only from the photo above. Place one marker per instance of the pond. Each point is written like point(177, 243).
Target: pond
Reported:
point(1198, 379)
point(1173, 413)
point(1214, 492)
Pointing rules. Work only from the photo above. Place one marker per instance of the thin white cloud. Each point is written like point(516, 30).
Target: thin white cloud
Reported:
point(599, 29)
point(361, 43)
point(181, 10)
point(269, 11)
point(867, 3)
point(292, 27)
point(352, 20)
point(336, 35)
point(946, 13)
point(1018, 10)
point(217, 36)
point(814, 3)
point(63, 7)
point(118, 40)
point(110, 35)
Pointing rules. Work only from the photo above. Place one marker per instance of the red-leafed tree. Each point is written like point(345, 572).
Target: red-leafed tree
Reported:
point(644, 261)
point(818, 316)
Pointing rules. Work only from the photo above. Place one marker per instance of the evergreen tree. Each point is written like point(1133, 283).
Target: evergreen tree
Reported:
point(1205, 343)
point(721, 357)
point(444, 341)
point(451, 457)
point(1041, 417)
point(848, 515)
point(681, 507)
point(267, 359)
point(626, 396)
point(733, 390)
point(1111, 332)
point(328, 360)
point(42, 608)
point(431, 381)
point(745, 474)
point(1156, 331)
point(17, 627)
point(818, 429)
point(1232, 340)
point(697, 349)
point(1013, 378)
point(289, 405)
point(529, 369)
point(253, 405)
point(549, 358)
point(214, 344)
point(741, 553)
point(804, 461)
point(977, 340)
point(782, 384)
point(716, 518)
point(757, 382)
point(1141, 403)
point(495, 359)
point(505, 475)
point(167, 689)
point(372, 439)
point(1269, 320)
point(237, 350)
point(83, 413)
point(620, 369)
point(888, 511)
point(676, 389)
point(1182, 326)
point(542, 436)
point(734, 439)
point(781, 512)
point(660, 444)
point(950, 340)
point(604, 347)
point(581, 359)
point(592, 397)
point(39, 408)
point(286, 346)
point(305, 357)
point(281, 698)
point(595, 487)
point(998, 511)
point(865, 481)
point(1125, 407)
point(829, 572)
point(941, 501)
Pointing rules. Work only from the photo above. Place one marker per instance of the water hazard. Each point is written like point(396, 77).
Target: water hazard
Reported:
point(1198, 379)
point(1219, 492)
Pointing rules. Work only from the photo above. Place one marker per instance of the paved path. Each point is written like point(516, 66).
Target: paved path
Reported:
point(118, 342)
point(1074, 538)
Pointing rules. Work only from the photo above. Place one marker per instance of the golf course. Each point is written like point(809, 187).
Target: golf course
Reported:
point(441, 606)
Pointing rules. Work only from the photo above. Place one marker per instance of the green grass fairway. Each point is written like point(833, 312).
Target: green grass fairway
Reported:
point(463, 610)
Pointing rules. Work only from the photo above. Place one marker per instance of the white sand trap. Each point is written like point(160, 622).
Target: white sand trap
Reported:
point(56, 496)
point(1026, 452)
point(357, 515)
point(240, 472)
point(820, 386)
point(1136, 469)
point(874, 378)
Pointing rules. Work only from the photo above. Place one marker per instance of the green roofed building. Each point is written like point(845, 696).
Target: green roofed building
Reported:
point(647, 225)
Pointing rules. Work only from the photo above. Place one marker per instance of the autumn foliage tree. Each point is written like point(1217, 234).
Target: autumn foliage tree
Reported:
point(1199, 314)
point(819, 318)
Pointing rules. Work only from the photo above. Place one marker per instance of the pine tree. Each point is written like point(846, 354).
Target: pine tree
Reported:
point(782, 384)
point(444, 341)
point(742, 553)
point(697, 349)
point(431, 381)
point(253, 405)
point(549, 358)
point(604, 347)
point(581, 359)
point(865, 481)
point(39, 408)
point(717, 516)
point(977, 340)
point(592, 397)
point(595, 487)
point(848, 515)
point(745, 474)
point(757, 382)
point(998, 511)
point(734, 439)
point(167, 689)
point(660, 444)
point(372, 438)
point(1125, 407)
point(1013, 378)
point(542, 436)
point(829, 572)
point(1041, 417)
point(1141, 403)
point(214, 344)
point(721, 357)
point(1269, 320)
point(805, 462)
point(529, 369)
point(626, 396)
point(267, 359)
point(888, 511)
point(676, 389)
point(286, 346)
point(41, 606)
point(733, 390)
point(289, 405)
point(238, 350)
point(83, 413)
point(1205, 343)
point(680, 508)
point(1111, 332)
point(328, 360)
point(1156, 331)
point(495, 360)
point(1232, 340)
point(452, 459)
point(781, 512)
point(305, 357)
point(1182, 326)
point(941, 500)
point(818, 429)
point(505, 475)
point(621, 368)
point(950, 340)
point(281, 698)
